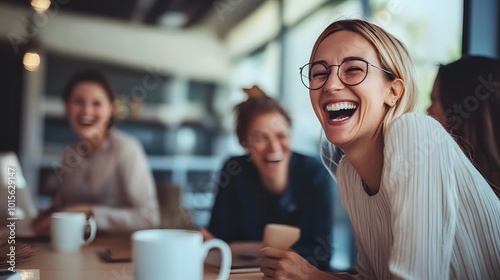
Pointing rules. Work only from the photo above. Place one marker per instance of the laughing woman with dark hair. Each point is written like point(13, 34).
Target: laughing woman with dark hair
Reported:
point(466, 100)
point(108, 176)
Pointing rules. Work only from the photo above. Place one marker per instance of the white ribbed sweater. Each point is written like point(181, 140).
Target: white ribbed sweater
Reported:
point(434, 216)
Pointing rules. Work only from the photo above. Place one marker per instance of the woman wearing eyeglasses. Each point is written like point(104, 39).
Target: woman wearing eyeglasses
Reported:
point(272, 184)
point(419, 208)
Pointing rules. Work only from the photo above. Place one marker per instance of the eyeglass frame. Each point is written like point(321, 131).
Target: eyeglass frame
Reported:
point(389, 74)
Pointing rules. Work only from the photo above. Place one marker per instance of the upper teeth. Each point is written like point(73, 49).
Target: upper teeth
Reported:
point(341, 106)
point(87, 120)
point(275, 156)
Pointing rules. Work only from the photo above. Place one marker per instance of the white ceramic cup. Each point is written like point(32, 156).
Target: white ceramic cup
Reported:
point(174, 254)
point(67, 231)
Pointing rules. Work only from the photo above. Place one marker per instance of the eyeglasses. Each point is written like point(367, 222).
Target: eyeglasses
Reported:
point(351, 72)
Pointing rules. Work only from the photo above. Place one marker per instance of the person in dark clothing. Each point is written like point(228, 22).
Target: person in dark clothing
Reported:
point(471, 84)
point(272, 184)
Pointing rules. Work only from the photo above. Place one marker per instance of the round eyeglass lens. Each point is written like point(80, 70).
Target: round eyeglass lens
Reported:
point(350, 72)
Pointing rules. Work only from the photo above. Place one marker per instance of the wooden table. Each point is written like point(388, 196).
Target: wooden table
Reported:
point(86, 264)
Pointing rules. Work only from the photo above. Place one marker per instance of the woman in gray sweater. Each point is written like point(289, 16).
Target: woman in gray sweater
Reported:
point(105, 174)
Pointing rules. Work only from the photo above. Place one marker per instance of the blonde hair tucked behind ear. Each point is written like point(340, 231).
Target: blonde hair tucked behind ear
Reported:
point(393, 57)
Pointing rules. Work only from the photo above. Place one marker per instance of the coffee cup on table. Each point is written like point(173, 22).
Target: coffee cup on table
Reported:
point(280, 236)
point(67, 231)
point(174, 254)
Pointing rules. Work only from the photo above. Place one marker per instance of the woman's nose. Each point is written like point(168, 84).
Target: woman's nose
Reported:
point(333, 83)
point(88, 108)
point(274, 145)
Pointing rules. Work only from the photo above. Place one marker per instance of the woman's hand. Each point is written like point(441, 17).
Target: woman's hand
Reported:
point(279, 264)
point(41, 224)
point(207, 235)
point(79, 208)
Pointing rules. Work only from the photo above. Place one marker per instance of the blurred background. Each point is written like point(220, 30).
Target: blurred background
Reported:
point(178, 67)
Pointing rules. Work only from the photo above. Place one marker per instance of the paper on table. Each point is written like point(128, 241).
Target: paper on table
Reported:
point(21, 274)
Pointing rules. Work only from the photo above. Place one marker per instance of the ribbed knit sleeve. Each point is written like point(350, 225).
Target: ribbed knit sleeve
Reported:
point(419, 180)
point(434, 216)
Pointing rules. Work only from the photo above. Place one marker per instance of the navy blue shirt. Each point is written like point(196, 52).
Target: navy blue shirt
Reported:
point(243, 206)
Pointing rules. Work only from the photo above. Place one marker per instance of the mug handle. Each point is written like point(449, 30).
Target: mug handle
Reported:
point(225, 267)
point(93, 229)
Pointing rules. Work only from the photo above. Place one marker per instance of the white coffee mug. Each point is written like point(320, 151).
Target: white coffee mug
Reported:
point(174, 254)
point(68, 229)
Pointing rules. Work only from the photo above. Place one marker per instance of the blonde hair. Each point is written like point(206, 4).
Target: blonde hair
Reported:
point(393, 57)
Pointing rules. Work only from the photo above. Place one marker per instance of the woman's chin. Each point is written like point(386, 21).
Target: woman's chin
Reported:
point(337, 140)
point(274, 171)
point(91, 134)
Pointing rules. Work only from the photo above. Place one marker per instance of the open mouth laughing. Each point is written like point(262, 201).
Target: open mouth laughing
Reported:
point(86, 121)
point(340, 111)
point(274, 157)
